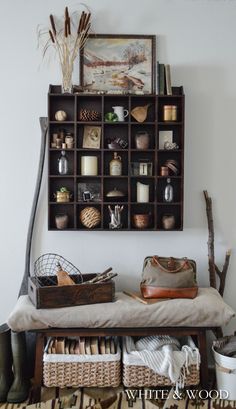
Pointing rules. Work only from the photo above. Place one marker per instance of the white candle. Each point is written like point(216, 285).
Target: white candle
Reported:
point(142, 193)
point(89, 165)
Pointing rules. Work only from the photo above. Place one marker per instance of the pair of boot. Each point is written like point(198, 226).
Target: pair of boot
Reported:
point(14, 385)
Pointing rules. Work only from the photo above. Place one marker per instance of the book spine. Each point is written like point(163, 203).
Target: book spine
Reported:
point(161, 79)
point(157, 78)
point(168, 79)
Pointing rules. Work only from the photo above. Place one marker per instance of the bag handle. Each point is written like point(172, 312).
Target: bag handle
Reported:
point(155, 260)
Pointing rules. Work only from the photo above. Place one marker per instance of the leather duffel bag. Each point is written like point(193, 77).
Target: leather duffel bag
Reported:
point(168, 277)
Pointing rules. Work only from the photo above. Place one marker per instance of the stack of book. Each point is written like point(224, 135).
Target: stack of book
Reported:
point(163, 82)
point(82, 346)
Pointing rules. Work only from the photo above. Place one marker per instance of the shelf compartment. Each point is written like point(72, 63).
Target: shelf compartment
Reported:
point(124, 216)
point(166, 100)
point(112, 101)
point(79, 209)
point(141, 128)
point(146, 181)
point(114, 131)
point(142, 158)
point(143, 209)
point(175, 210)
point(89, 135)
point(164, 155)
point(57, 128)
point(175, 183)
point(137, 101)
point(62, 103)
point(90, 153)
point(57, 183)
point(53, 162)
point(89, 190)
point(118, 183)
point(57, 209)
point(168, 133)
point(90, 104)
point(109, 155)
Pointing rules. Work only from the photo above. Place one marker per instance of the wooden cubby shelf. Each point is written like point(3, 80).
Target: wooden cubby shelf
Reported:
point(102, 183)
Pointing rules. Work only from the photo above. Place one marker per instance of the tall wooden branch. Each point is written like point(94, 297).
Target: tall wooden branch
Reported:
point(213, 268)
point(211, 238)
point(222, 274)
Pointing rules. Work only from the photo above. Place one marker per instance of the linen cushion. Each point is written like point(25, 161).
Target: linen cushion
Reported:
point(208, 309)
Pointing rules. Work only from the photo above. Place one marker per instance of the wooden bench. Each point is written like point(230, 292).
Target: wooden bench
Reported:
point(198, 334)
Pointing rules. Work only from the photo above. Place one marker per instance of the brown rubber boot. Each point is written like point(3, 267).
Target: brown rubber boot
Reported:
point(19, 391)
point(6, 374)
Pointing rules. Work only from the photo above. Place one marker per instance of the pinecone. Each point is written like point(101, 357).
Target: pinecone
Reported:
point(89, 115)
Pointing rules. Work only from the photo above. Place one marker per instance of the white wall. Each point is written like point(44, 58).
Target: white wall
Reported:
point(198, 39)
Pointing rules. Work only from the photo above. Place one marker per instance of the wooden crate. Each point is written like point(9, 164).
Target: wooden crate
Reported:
point(53, 296)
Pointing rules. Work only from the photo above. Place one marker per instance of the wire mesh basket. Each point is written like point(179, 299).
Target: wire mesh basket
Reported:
point(46, 267)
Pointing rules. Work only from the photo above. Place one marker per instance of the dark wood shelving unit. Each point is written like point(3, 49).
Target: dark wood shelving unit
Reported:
point(71, 104)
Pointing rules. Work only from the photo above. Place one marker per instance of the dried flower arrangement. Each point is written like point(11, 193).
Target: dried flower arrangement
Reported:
point(67, 38)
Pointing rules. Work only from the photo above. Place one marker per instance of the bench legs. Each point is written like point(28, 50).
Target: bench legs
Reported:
point(202, 345)
point(38, 371)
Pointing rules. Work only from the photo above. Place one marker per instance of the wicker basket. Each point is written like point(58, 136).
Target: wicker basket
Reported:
point(82, 370)
point(139, 376)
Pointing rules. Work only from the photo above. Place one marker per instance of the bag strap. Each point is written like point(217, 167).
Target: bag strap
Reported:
point(171, 263)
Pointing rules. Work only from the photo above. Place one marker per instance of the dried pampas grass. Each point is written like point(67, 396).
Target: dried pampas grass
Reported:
point(67, 36)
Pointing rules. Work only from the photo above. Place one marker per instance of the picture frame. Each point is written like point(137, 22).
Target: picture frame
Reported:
point(165, 136)
point(119, 64)
point(92, 137)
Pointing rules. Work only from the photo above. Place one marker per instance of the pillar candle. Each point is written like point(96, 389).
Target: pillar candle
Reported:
point(89, 165)
point(142, 193)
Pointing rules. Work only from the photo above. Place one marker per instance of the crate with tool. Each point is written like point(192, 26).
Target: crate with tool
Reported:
point(58, 283)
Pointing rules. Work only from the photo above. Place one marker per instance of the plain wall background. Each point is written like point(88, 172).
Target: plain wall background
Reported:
point(198, 39)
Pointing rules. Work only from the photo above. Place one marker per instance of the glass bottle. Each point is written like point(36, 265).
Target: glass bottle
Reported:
point(63, 164)
point(168, 192)
point(116, 165)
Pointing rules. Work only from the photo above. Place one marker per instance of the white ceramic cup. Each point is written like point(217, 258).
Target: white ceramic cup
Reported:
point(120, 112)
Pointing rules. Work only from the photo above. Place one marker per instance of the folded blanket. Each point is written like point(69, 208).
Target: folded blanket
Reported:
point(165, 356)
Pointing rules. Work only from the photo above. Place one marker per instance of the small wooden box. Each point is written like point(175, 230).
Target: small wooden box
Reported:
point(43, 295)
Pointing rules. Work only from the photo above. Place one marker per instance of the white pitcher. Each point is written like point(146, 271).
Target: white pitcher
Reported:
point(120, 112)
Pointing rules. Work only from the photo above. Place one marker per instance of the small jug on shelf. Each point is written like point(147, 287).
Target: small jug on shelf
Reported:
point(120, 112)
point(116, 165)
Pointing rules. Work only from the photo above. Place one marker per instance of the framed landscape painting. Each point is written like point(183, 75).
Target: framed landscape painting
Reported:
point(119, 63)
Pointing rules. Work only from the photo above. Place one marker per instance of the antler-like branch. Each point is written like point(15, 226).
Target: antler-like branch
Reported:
point(213, 268)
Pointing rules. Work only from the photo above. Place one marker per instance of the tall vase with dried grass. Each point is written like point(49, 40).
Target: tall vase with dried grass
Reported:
point(67, 38)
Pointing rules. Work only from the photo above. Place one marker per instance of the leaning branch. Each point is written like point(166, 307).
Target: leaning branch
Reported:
point(213, 268)
point(211, 238)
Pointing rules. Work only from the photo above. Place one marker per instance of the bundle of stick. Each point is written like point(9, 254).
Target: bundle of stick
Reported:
point(63, 278)
point(102, 277)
